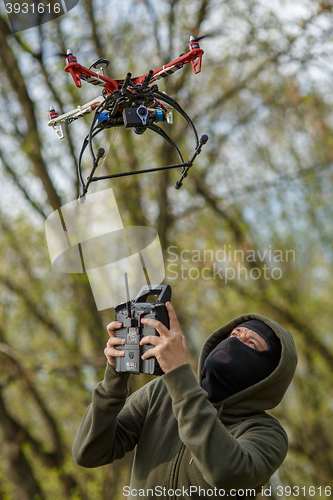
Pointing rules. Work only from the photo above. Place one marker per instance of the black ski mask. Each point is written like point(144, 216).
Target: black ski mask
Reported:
point(233, 366)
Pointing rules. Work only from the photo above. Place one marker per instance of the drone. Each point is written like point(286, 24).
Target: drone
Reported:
point(133, 103)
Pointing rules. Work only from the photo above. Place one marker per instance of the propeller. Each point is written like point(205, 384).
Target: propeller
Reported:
point(60, 54)
point(63, 54)
point(222, 31)
point(200, 38)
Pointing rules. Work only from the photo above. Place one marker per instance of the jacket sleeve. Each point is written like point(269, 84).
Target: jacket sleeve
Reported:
point(244, 460)
point(103, 435)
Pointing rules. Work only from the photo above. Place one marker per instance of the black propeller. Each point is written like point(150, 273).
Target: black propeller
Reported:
point(222, 31)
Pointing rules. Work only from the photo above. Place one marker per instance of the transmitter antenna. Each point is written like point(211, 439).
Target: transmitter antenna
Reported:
point(128, 300)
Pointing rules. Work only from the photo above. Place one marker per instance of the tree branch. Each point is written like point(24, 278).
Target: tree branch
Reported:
point(32, 143)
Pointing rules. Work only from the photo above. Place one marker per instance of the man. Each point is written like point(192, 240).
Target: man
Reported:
point(195, 441)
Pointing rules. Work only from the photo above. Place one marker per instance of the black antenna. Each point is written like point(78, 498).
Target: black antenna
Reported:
point(128, 300)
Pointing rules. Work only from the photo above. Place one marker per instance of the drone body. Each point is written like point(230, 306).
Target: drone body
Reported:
point(131, 102)
point(79, 72)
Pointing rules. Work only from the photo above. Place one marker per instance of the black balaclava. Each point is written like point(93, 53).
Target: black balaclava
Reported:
point(233, 366)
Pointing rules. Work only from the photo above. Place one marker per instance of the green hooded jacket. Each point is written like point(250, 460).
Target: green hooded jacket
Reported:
point(184, 446)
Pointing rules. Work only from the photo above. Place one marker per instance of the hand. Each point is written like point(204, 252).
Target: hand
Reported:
point(169, 348)
point(110, 351)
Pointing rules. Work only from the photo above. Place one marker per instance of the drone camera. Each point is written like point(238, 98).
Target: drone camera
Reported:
point(135, 117)
point(142, 113)
point(138, 118)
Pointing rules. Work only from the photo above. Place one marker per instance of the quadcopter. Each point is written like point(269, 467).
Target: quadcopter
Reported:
point(133, 103)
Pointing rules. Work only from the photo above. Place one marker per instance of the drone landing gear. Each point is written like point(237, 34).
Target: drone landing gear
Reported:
point(202, 141)
point(185, 166)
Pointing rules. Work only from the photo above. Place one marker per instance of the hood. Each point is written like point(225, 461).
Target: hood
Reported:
point(267, 393)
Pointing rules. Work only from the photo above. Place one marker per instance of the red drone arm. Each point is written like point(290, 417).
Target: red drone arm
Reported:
point(194, 56)
point(80, 72)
